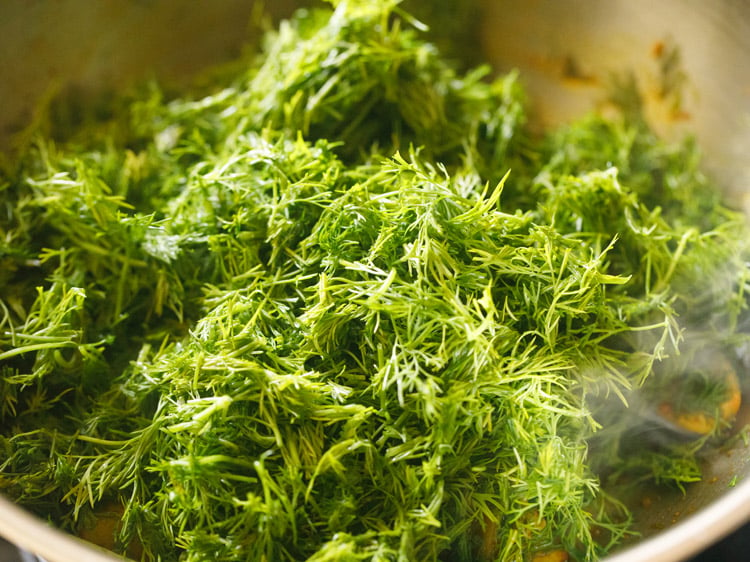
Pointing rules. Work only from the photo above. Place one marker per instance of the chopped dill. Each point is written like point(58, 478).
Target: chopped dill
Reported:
point(347, 307)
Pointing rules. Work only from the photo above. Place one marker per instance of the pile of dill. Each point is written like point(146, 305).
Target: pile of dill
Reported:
point(347, 307)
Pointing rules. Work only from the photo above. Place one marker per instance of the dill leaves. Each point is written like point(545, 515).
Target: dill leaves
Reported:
point(346, 307)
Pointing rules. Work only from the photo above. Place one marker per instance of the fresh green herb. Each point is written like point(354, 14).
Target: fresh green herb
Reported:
point(346, 307)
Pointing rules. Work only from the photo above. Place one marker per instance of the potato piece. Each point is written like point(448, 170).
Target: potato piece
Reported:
point(703, 423)
point(551, 556)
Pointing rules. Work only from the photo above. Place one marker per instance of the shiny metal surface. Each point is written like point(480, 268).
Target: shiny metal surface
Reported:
point(568, 53)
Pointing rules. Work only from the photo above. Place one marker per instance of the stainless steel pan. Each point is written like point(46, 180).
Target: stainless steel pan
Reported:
point(568, 53)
